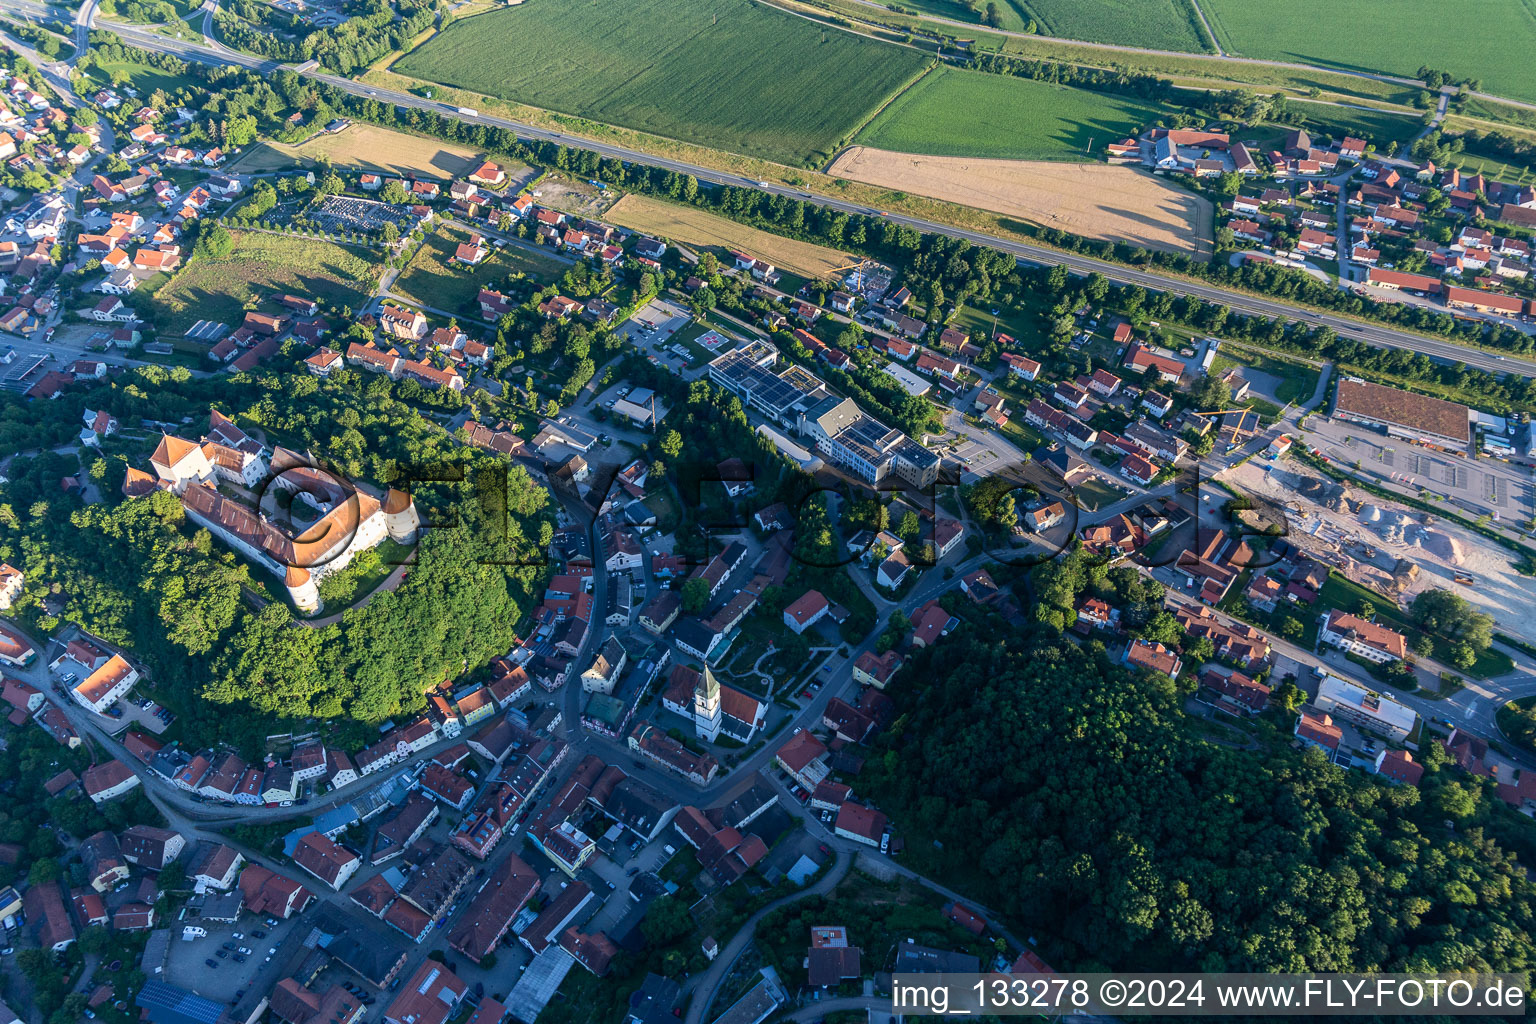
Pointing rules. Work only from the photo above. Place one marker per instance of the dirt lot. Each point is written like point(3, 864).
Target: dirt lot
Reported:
point(1094, 200)
point(696, 227)
point(366, 147)
point(578, 198)
point(1374, 534)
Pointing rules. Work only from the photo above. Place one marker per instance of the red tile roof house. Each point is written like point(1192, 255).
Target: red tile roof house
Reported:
point(108, 781)
point(47, 915)
point(1399, 766)
point(1139, 469)
point(965, 917)
point(1367, 639)
point(806, 611)
point(448, 787)
point(1104, 382)
point(876, 670)
point(859, 823)
point(1319, 731)
point(930, 623)
point(804, 757)
point(267, 892)
point(318, 854)
point(1153, 656)
point(1242, 693)
point(830, 796)
point(430, 996)
point(492, 909)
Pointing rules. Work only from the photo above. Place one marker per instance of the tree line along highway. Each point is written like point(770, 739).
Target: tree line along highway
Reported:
point(1379, 336)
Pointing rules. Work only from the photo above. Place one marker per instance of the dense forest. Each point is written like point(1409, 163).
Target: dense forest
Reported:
point(1067, 789)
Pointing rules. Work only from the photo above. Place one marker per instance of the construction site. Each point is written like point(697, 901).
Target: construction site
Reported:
point(1389, 547)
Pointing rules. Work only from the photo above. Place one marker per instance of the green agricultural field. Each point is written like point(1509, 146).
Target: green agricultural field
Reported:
point(1156, 24)
point(1488, 39)
point(260, 267)
point(731, 75)
point(968, 113)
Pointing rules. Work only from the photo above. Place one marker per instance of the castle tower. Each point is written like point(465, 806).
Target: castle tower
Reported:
point(302, 589)
point(400, 516)
point(706, 705)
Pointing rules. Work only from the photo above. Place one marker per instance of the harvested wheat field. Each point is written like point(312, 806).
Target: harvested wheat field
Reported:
point(366, 147)
point(690, 226)
point(1094, 200)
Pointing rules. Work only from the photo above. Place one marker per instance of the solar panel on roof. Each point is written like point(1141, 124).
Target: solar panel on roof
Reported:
point(167, 1004)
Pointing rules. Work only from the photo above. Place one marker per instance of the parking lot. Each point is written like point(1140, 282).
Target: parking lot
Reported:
point(146, 717)
point(1480, 486)
point(651, 329)
point(227, 978)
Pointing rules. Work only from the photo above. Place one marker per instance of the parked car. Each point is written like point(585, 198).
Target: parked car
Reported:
point(211, 963)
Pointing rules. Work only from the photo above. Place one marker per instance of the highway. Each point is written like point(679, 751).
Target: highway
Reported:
point(211, 52)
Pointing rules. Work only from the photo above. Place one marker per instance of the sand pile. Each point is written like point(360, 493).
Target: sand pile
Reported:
point(1443, 546)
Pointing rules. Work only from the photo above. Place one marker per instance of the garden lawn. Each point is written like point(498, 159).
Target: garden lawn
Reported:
point(1093, 494)
point(1383, 127)
point(262, 266)
point(432, 279)
point(1297, 380)
point(1490, 40)
point(728, 74)
point(969, 113)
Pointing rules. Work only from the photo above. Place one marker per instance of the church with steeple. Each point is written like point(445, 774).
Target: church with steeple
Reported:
point(715, 710)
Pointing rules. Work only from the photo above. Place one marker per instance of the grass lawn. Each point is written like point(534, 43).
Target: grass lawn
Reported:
point(1024, 437)
point(729, 74)
point(1128, 20)
point(687, 336)
point(662, 502)
point(969, 113)
point(1297, 380)
point(1093, 494)
point(346, 588)
point(433, 279)
point(1518, 723)
point(259, 267)
point(1018, 320)
point(144, 78)
point(1493, 43)
point(1382, 127)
